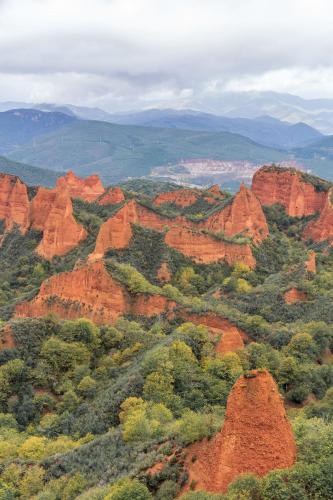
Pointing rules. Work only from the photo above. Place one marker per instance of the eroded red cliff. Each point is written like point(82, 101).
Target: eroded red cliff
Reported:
point(163, 273)
point(310, 263)
point(52, 213)
point(289, 188)
point(89, 291)
point(205, 249)
point(14, 202)
point(112, 196)
point(294, 295)
point(88, 189)
point(181, 197)
point(242, 216)
point(256, 437)
point(321, 229)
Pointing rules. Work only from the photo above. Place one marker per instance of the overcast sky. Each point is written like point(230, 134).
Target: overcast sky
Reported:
point(123, 54)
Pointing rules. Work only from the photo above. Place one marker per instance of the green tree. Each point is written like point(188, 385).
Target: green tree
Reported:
point(129, 489)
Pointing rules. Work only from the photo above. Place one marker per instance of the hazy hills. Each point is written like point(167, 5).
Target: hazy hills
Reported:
point(264, 130)
point(19, 126)
point(120, 151)
point(30, 175)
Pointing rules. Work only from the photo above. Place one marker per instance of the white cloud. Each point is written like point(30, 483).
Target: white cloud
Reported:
point(121, 53)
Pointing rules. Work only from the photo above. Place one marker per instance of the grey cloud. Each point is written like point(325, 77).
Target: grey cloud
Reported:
point(125, 52)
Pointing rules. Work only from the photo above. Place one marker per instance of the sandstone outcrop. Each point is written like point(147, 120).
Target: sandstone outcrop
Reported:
point(294, 295)
point(310, 263)
point(181, 197)
point(205, 249)
point(52, 213)
point(112, 196)
point(321, 229)
point(14, 203)
point(242, 216)
point(88, 189)
point(163, 274)
point(181, 234)
point(232, 337)
point(89, 291)
point(256, 437)
point(287, 187)
point(216, 191)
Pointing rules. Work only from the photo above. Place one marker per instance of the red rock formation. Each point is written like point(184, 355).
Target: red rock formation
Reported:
point(181, 197)
point(91, 292)
point(205, 249)
point(287, 188)
point(294, 295)
point(232, 337)
point(321, 229)
point(256, 437)
point(14, 202)
point(52, 213)
point(112, 196)
point(88, 189)
point(116, 233)
point(216, 191)
point(310, 263)
point(163, 274)
point(243, 215)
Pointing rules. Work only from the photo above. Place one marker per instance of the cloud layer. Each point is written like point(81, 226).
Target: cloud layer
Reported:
point(124, 54)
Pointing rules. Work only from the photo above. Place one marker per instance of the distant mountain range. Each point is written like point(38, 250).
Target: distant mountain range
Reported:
point(127, 145)
point(120, 151)
point(19, 126)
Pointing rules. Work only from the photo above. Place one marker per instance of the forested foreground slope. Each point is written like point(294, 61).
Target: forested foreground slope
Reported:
point(163, 343)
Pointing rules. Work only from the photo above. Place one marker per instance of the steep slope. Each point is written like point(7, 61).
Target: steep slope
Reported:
point(181, 234)
point(88, 189)
point(321, 229)
point(14, 202)
point(112, 196)
point(299, 194)
point(52, 213)
point(242, 216)
point(256, 437)
point(89, 291)
point(181, 197)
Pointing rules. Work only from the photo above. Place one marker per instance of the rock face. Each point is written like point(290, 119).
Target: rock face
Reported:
point(7, 340)
point(232, 338)
point(181, 197)
point(256, 437)
point(52, 213)
point(310, 263)
point(14, 203)
point(183, 235)
point(206, 249)
point(90, 292)
point(88, 189)
point(294, 295)
point(321, 229)
point(163, 274)
point(243, 216)
point(112, 196)
point(288, 188)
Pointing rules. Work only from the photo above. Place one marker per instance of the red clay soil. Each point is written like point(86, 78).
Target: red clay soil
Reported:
point(256, 437)
point(293, 295)
point(181, 197)
point(321, 229)
point(232, 338)
point(14, 202)
point(88, 189)
point(112, 196)
point(89, 291)
point(287, 188)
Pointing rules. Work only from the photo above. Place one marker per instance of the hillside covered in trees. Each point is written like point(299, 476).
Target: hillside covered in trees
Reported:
point(163, 342)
